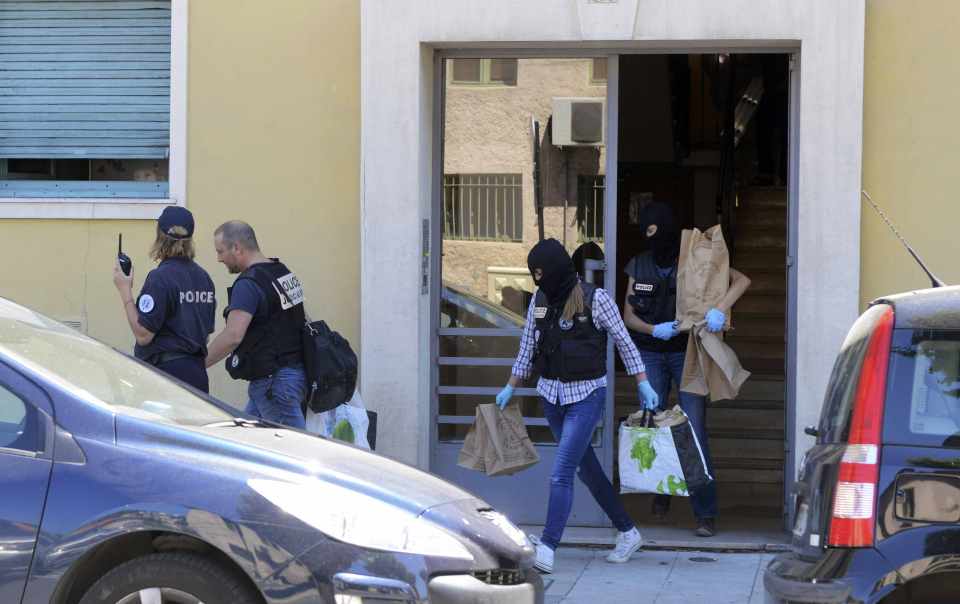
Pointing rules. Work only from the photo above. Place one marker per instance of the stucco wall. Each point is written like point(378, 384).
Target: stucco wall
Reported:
point(910, 143)
point(273, 138)
point(487, 131)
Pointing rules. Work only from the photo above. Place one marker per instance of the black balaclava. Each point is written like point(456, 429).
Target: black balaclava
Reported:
point(559, 275)
point(588, 251)
point(665, 243)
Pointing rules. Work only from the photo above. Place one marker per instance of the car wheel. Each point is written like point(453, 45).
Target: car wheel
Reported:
point(170, 579)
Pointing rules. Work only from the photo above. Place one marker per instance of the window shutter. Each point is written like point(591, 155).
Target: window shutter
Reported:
point(85, 79)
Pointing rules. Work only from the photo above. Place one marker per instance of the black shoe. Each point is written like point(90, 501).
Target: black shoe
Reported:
point(706, 527)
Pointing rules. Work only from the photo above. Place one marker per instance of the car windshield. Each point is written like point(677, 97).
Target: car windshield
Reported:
point(97, 373)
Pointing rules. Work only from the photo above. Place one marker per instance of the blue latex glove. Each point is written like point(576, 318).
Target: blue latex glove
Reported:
point(665, 331)
point(648, 396)
point(503, 397)
point(715, 320)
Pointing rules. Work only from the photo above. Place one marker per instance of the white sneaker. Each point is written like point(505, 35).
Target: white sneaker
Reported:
point(627, 544)
point(544, 561)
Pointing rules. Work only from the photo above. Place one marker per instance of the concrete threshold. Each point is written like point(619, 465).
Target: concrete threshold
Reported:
point(676, 539)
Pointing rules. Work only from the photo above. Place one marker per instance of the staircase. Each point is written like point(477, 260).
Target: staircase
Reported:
point(747, 435)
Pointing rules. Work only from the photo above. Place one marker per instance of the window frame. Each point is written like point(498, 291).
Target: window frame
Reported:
point(455, 182)
point(127, 208)
point(485, 70)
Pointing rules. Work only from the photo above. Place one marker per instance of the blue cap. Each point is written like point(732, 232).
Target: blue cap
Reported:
point(175, 216)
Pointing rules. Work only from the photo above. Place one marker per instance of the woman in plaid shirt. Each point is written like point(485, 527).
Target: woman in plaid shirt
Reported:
point(564, 338)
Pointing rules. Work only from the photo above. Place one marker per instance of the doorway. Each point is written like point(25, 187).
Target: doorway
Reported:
point(525, 155)
point(708, 135)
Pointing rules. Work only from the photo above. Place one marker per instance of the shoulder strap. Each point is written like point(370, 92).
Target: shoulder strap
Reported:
point(589, 289)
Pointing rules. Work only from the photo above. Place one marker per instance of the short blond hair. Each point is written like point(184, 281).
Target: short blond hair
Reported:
point(165, 246)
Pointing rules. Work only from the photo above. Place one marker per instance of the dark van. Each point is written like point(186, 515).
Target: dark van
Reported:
point(877, 502)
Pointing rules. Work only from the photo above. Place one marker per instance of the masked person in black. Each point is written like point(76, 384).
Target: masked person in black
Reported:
point(565, 341)
point(173, 315)
point(649, 311)
point(265, 317)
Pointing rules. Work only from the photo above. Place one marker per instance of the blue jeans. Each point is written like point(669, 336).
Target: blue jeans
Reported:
point(277, 397)
point(572, 425)
point(664, 369)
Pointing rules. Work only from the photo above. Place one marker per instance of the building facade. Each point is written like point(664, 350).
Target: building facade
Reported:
point(254, 114)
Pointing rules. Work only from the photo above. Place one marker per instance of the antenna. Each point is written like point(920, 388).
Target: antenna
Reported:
point(934, 280)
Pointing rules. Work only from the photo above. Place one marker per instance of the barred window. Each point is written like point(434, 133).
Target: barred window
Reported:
point(590, 191)
point(483, 207)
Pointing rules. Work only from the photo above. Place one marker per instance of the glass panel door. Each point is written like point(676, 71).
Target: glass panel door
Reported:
point(524, 157)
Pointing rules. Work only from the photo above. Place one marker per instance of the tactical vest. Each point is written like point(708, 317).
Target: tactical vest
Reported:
point(277, 341)
point(569, 351)
point(654, 300)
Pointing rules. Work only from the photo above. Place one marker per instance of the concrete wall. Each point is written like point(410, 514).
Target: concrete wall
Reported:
point(273, 138)
point(398, 42)
point(910, 143)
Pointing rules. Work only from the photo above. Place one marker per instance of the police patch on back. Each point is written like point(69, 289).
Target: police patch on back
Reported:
point(292, 293)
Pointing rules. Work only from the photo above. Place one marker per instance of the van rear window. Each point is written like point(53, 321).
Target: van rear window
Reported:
point(923, 391)
point(842, 387)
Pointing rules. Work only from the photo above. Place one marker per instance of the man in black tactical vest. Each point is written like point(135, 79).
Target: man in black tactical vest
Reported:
point(265, 317)
point(649, 311)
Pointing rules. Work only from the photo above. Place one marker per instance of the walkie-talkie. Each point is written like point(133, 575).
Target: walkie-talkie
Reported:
point(126, 265)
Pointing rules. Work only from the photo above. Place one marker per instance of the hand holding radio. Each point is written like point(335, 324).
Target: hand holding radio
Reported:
point(123, 271)
point(126, 265)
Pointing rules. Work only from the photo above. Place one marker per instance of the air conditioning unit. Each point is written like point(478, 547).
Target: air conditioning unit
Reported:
point(579, 122)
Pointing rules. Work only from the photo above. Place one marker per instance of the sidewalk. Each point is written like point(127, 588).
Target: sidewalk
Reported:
point(582, 576)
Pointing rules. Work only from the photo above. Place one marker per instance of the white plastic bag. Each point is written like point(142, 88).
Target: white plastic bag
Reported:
point(649, 462)
point(347, 422)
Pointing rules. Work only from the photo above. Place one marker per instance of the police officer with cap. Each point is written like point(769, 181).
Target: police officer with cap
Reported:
point(650, 311)
point(262, 340)
point(173, 316)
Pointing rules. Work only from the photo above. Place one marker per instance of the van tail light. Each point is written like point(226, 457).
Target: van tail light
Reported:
point(855, 495)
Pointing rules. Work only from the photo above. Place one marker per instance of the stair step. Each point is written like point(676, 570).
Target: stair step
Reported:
point(747, 404)
point(763, 197)
point(730, 418)
point(742, 336)
point(747, 259)
point(774, 217)
point(754, 325)
point(768, 281)
point(751, 230)
point(747, 464)
point(747, 433)
point(757, 302)
point(760, 498)
point(758, 389)
point(771, 449)
point(758, 348)
point(732, 476)
point(766, 242)
point(772, 366)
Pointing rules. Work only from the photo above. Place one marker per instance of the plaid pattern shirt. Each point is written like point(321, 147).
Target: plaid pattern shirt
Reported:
point(606, 316)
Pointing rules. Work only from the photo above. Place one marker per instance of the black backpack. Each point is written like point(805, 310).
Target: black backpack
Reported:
point(331, 367)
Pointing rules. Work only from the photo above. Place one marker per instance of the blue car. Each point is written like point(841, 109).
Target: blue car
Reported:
point(121, 486)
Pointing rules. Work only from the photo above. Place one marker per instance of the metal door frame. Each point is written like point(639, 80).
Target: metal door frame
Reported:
point(432, 234)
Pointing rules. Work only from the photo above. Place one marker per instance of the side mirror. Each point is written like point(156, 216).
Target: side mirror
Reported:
point(811, 431)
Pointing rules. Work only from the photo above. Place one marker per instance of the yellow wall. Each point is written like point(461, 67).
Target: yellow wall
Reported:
point(273, 139)
point(911, 143)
